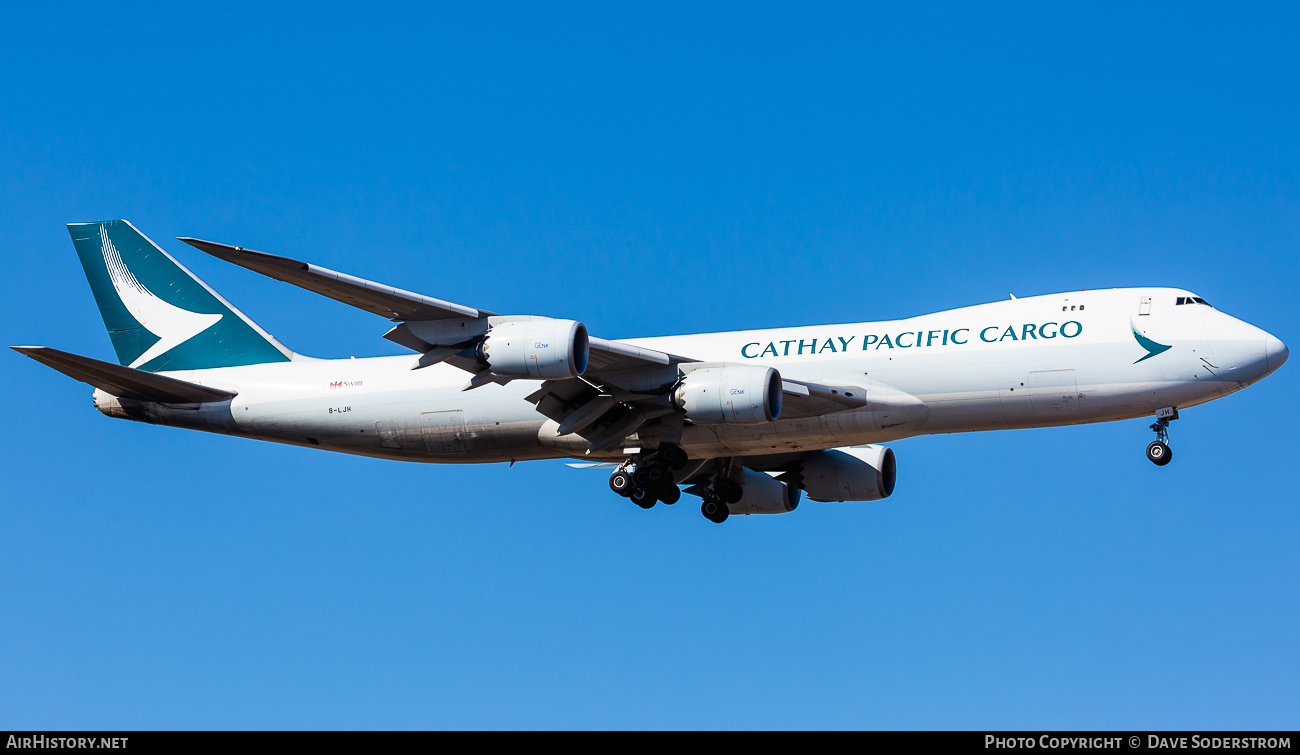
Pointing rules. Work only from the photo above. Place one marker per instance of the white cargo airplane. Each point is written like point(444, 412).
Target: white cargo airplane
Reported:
point(747, 420)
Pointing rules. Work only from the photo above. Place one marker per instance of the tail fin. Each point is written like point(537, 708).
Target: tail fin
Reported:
point(159, 316)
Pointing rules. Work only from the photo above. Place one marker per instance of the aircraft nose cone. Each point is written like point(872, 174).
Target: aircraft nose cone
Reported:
point(1276, 352)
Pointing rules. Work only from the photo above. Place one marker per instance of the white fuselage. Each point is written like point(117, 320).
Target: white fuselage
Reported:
point(1050, 360)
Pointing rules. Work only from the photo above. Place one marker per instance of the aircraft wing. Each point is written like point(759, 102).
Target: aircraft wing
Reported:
point(805, 399)
point(409, 307)
point(612, 356)
point(623, 390)
point(393, 303)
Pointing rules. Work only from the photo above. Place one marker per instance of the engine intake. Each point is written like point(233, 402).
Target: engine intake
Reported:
point(734, 394)
point(543, 349)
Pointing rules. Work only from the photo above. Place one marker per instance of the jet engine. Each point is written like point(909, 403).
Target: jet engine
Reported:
point(764, 495)
point(734, 394)
point(542, 349)
point(861, 474)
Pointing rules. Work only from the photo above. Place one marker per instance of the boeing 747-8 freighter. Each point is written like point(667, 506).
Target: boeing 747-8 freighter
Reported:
point(749, 421)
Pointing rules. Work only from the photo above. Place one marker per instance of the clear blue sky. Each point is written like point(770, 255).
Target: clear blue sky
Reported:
point(649, 169)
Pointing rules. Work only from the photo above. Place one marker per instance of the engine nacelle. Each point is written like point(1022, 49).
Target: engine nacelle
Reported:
point(543, 349)
point(735, 394)
point(764, 495)
point(860, 474)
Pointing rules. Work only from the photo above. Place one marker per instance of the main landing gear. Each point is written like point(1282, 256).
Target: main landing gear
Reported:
point(720, 492)
point(648, 478)
point(1159, 451)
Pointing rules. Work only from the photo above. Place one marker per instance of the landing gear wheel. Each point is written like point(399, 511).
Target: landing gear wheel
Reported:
point(672, 455)
point(714, 510)
point(1159, 453)
point(642, 497)
point(669, 494)
point(620, 482)
point(729, 490)
point(649, 476)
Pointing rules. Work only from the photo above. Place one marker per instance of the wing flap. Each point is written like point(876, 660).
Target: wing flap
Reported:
point(124, 382)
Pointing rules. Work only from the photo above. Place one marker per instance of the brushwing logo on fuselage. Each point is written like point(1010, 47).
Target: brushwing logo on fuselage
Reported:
point(1152, 347)
point(173, 325)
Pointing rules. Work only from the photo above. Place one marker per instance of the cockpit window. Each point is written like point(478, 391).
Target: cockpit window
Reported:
point(1193, 300)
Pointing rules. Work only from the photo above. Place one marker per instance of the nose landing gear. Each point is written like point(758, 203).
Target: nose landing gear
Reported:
point(1159, 451)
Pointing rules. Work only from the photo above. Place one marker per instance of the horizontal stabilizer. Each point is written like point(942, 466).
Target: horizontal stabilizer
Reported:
point(393, 303)
point(124, 382)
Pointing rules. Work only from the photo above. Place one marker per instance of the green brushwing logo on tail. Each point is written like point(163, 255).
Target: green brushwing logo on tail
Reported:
point(159, 316)
point(1152, 347)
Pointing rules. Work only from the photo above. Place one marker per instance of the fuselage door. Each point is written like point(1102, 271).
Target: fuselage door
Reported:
point(1144, 307)
point(388, 436)
point(444, 431)
point(1053, 393)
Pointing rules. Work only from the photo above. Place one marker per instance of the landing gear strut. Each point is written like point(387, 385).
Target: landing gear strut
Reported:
point(648, 478)
point(1159, 451)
